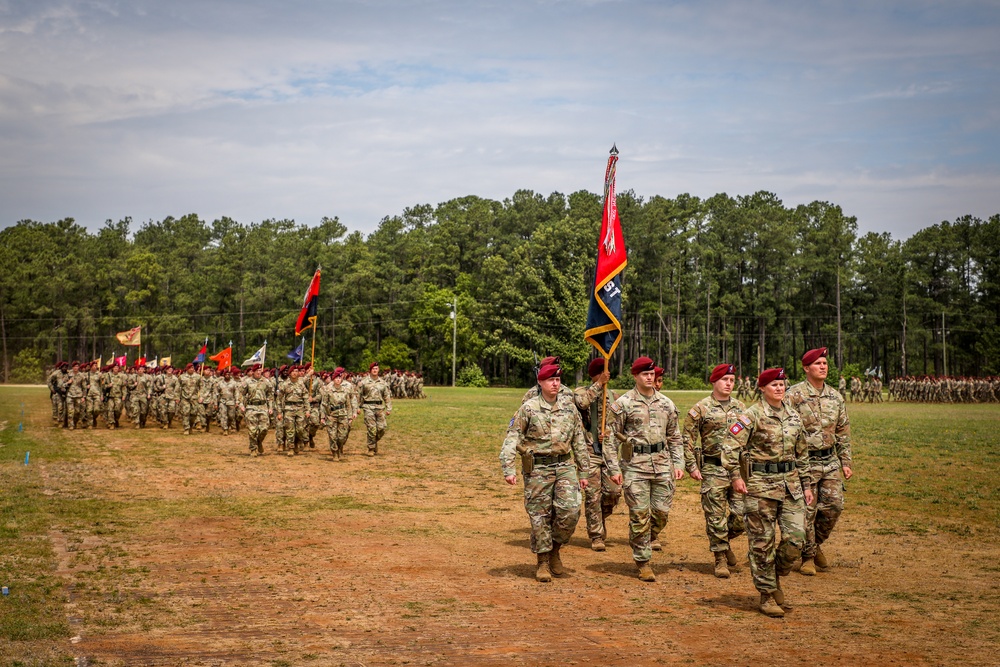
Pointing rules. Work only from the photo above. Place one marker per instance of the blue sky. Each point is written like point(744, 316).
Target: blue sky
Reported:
point(298, 109)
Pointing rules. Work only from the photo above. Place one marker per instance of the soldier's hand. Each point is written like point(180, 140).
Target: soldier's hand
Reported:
point(511, 479)
point(740, 486)
point(678, 473)
point(584, 483)
point(617, 479)
point(603, 378)
point(279, 415)
point(696, 474)
point(809, 496)
point(847, 472)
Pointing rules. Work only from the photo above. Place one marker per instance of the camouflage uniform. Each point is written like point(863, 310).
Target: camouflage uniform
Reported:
point(777, 448)
point(553, 433)
point(227, 390)
point(171, 396)
point(649, 425)
point(190, 384)
point(94, 400)
point(315, 385)
point(57, 393)
point(376, 400)
point(601, 494)
point(75, 397)
point(117, 389)
point(338, 405)
point(140, 399)
point(256, 402)
point(293, 403)
point(828, 434)
point(709, 422)
point(206, 402)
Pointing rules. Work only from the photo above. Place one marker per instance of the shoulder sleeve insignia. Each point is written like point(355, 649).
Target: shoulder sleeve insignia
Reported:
point(736, 428)
point(693, 413)
point(744, 419)
point(616, 408)
point(511, 424)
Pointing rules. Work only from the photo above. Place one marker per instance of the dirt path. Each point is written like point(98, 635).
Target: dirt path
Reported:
point(423, 560)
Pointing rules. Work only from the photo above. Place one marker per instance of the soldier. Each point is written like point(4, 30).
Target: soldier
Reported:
point(95, 396)
point(338, 408)
point(842, 387)
point(190, 389)
point(315, 384)
point(257, 404)
point(139, 396)
point(171, 396)
point(709, 422)
point(533, 391)
point(293, 410)
point(645, 422)
point(129, 391)
point(548, 434)
point(277, 385)
point(776, 454)
point(227, 390)
point(828, 433)
point(376, 402)
point(117, 390)
point(206, 400)
point(237, 376)
point(58, 383)
point(75, 395)
point(601, 494)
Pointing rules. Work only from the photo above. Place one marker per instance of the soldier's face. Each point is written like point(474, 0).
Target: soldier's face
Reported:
point(374, 371)
point(550, 387)
point(645, 381)
point(658, 382)
point(774, 392)
point(724, 386)
point(817, 370)
point(337, 381)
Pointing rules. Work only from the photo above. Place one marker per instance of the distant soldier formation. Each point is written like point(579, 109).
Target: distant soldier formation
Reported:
point(773, 470)
point(294, 401)
point(928, 389)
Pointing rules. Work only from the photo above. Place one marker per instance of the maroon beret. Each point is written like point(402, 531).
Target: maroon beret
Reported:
point(339, 370)
point(811, 356)
point(657, 372)
point(549, 360)
point(643, 364)
point(549, 371)
point(189, 366)
point(721, 371)
point(596, 367)
point(372, 365)
point(770, 375)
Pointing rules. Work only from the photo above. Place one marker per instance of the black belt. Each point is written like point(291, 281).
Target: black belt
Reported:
point(822, 453)
point(649, 449)
point(714, 460)
point(373, 403)
point(783, 466)
point(551, 460)
point(258, 402)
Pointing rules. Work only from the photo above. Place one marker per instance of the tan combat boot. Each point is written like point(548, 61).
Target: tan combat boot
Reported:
point(542, 572)
point(808, 567)
point(779, 596)
point(822, 564)
point(730, 558)
point(655, 545)
point(645, 571)
point(721, 571)
point(555, 562)
point(769, 607)
point(597, 544)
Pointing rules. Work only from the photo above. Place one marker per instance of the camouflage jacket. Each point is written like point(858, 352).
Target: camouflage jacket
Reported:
point(644, 421)
point(824, 418)
point(143, 386)
point(209, 390)
point(190, 386)
point(547, 430)
point(374, 391)
point(709, 422)
point(772, 436)
point(94, 389)
point(117, 386)
point(256, 395)
point(172, 388)
point(585, 398)
point(293, 395)
point(337, 401)
point(227, 391)
point(77, 385)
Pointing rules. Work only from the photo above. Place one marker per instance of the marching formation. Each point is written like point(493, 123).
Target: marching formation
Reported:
point(774, 470)
point(296, 401)
point(928, 389)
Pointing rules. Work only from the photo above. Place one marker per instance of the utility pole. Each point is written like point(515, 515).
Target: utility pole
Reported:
point(454, 338)
point(944, 345)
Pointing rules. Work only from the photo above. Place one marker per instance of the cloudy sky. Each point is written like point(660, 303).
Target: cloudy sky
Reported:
point(301, 109)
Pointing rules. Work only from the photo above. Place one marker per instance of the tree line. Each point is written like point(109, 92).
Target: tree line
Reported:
point(744, 279)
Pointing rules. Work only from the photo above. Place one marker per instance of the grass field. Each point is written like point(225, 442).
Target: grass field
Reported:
point(151, 548)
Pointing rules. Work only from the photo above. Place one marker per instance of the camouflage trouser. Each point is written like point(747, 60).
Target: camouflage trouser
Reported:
point(257, 423)
point(94, 404)
point(295, 426)
point(723, 507)
point(58, 407)
point(75, 410)
point(227, 416)
point(552, 501)
point(338, 428)
point(649, 498)
point(112, 411)
point(168, 408)
point(600, 497)
point(140, 409)
point(189, 413)
point(280, 436)
point(312, 421)
point(769, 560)
point(828, 502)
point(205, 414)
point(375, 425)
